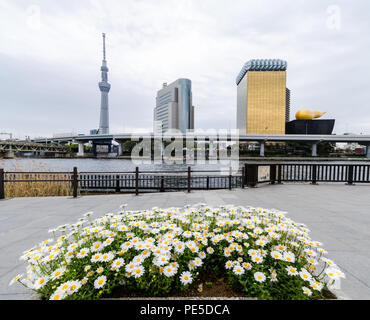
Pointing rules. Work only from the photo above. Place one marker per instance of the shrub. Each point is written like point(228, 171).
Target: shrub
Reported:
point(262, 253)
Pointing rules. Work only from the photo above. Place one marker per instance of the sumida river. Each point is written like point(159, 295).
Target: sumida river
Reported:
point(123, 165)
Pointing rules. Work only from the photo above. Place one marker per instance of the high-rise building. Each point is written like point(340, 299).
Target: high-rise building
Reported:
point(174, 109)
point(263, 101)
point(104, 87)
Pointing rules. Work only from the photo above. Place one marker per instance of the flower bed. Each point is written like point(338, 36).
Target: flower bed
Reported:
point(260, 253)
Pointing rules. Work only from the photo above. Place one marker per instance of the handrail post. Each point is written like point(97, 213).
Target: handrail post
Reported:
point(162, 184)
point(272, 173)
point(243, 177)
point(230, 178)
point(314, 171)
point(207, 182)
point(252, 175)
point(350, 174)
point(279, 174)
point(75, 182)
point(137, 180)
point(2, 187)
point(189, 179)
point(118, 189)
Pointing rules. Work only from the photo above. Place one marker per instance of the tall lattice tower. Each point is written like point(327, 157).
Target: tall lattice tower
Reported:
point(104, 87)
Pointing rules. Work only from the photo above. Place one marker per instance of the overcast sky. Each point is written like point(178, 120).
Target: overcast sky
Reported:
point(51, 52)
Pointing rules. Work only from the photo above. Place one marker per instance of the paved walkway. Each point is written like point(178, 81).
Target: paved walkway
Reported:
point(337, 215)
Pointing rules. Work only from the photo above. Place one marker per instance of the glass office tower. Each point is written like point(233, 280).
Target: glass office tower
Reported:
point(262, 104)
point(174, 109)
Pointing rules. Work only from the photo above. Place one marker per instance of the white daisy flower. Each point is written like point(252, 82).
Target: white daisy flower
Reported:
point(276, 255)
point(106, 257)
point(292, 271)
point(15, 279)
point(310, 252)
point(138, 271)
point(40, 282)
point(238, 270)
point(72, 247)
point(289, 257)
point(97, 246)
point(202, 255)
point(96, 257)
point(186, 278)
point(169, 271)
point(305, 275)
point(316, 285)
point(229, 264)
point(100, 270)
point(100, 282)
point(58, 273)
point(257, 259)
point(259, 277)
point(82, 253)
point(58, 295)
point(307, 291)
point(161, 260)
point(130, 267)
point(247, 265)
point(74, 286)
point(331, 263)
point(108, 241)
point(197, 262)
point(332, 273)
point(118, 263)
point(322, 251)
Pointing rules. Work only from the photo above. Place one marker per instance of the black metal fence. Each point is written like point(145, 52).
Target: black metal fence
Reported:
point(154, 181)
point(306, 172)
point(130, 181)
point(324, 173)
point(147, 181)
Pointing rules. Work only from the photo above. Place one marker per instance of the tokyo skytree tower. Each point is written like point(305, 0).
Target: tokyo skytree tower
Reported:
point(104, 87)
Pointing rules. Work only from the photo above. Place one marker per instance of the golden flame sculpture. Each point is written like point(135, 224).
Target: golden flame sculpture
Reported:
point(308, 114)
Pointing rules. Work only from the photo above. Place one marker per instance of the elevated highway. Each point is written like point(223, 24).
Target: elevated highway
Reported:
point(120, 138)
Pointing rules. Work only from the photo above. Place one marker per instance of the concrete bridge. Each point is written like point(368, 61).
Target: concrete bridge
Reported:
point(211, 138)
point(9, 147)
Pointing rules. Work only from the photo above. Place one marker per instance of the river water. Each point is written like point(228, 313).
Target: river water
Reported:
point(123, 165)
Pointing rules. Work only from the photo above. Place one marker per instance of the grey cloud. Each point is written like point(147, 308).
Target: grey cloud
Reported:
point(53, 88)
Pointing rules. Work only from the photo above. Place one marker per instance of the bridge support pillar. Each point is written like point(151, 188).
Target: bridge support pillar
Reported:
point(120, 149)
point(162, 148)
point(211, 149)
point(368, 151)
point(314, 149)
point(80, 152)
point(262, 149)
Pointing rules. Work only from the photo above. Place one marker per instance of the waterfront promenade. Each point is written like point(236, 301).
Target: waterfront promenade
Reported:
point(337, 215)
